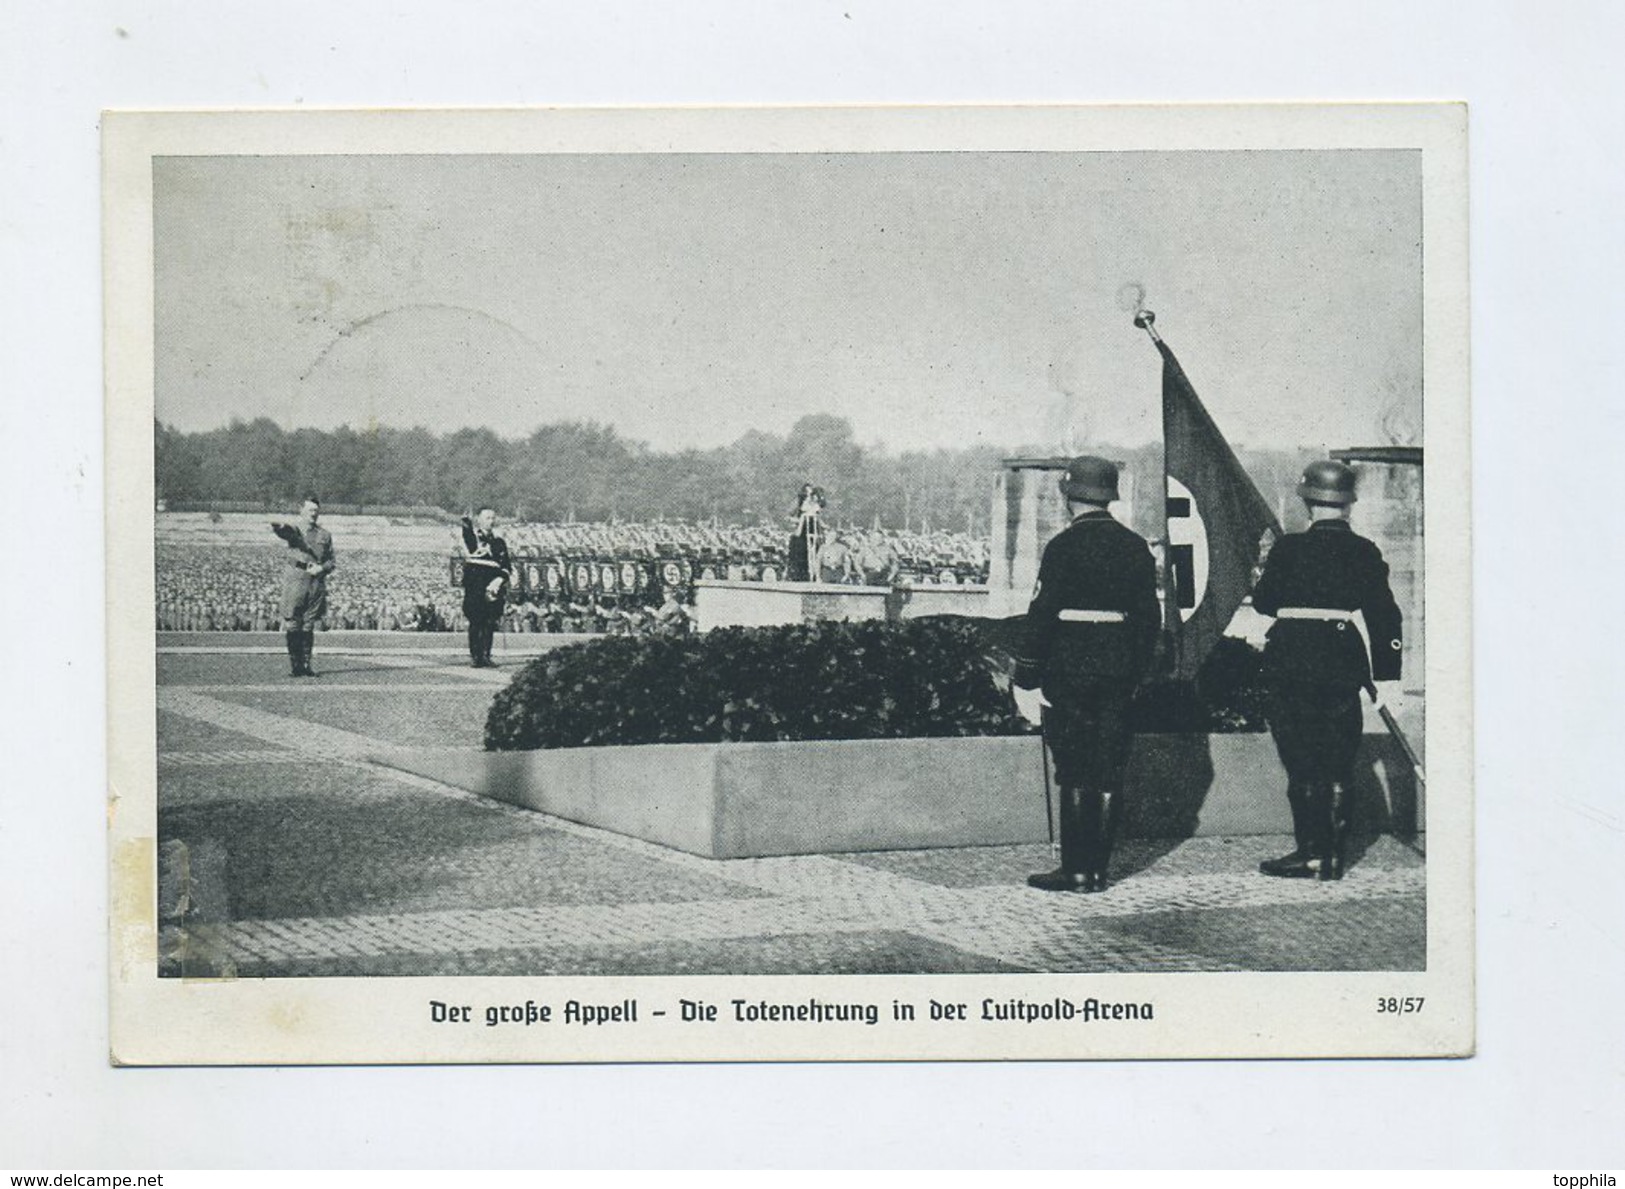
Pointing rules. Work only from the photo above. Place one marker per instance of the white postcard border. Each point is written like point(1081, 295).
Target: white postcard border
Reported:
point(387, 1020)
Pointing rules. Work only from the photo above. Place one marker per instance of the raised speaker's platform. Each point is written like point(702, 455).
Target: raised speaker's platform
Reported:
point(720, 604)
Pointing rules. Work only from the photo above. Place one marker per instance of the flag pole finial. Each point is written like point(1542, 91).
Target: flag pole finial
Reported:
point(1147, 321)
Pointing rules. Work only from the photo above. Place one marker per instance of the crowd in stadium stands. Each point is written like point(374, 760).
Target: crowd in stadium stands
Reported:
point(604, 578)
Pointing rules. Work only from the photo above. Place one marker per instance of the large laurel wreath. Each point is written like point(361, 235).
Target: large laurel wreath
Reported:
point(922, 678)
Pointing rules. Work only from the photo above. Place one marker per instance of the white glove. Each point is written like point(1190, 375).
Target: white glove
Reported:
point(1250, 627)
point(1030, 704)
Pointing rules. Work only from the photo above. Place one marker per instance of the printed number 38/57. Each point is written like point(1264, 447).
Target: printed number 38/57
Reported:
point(1406, 1006)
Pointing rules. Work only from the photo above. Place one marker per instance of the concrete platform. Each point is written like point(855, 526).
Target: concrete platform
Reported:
point(746, 800)
point(286, 850)
point(720, 603)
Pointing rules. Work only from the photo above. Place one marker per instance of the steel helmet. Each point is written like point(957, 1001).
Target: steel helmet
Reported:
point(1327, 482)
point(1091, 479)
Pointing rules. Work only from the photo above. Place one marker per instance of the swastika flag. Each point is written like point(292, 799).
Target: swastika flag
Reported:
point(1215, 522)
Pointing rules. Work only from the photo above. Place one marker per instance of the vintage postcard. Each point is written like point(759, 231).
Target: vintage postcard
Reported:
point(789, 584)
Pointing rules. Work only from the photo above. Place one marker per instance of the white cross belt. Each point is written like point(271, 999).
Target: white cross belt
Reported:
point(1090, 615)
point(1328, 613)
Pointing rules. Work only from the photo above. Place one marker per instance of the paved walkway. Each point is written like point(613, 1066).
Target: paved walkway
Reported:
point(285, 852)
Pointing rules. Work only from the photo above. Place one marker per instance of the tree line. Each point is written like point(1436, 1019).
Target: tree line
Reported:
point(584, 471)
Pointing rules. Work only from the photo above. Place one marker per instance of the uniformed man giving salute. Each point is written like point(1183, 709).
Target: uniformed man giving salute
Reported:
point(1089, 637)
point(305, 567)
point(1316, 663)
point(486, 574)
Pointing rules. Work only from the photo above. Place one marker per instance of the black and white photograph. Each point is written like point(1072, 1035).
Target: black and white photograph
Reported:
point(831, 584)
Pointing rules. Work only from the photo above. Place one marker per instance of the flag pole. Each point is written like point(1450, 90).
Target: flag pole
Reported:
point(1147, 321)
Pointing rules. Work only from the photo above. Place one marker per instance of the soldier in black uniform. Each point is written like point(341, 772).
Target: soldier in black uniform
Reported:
point(1089, 637)
point(486, 574)
point(1316, 663)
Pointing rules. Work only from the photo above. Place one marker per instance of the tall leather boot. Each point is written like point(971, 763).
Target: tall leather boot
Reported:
point(307, 646)
point(1323, 845)
point(1106, 816)
point(487, 640)
point(476, 649)
point(1295, 865)
point(1069, 876)
point(1339, 802)
point(296, 654)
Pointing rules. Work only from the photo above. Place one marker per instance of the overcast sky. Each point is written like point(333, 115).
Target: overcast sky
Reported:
point(935, 300)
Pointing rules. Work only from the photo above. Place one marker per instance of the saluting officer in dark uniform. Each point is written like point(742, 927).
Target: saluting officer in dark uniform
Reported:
point(306, 563)
point(1089, 637)
point(487, 572)
point(1316, 663)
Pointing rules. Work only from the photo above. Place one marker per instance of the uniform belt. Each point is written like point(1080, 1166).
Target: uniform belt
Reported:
point(1327, 613)
point(1090, 615)
point(482, 561)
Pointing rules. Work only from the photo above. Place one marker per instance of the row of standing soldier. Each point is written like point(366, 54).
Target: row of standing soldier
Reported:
point(1091, 631)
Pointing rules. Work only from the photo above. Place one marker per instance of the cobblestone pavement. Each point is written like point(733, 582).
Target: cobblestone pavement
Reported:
point(284, 851)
